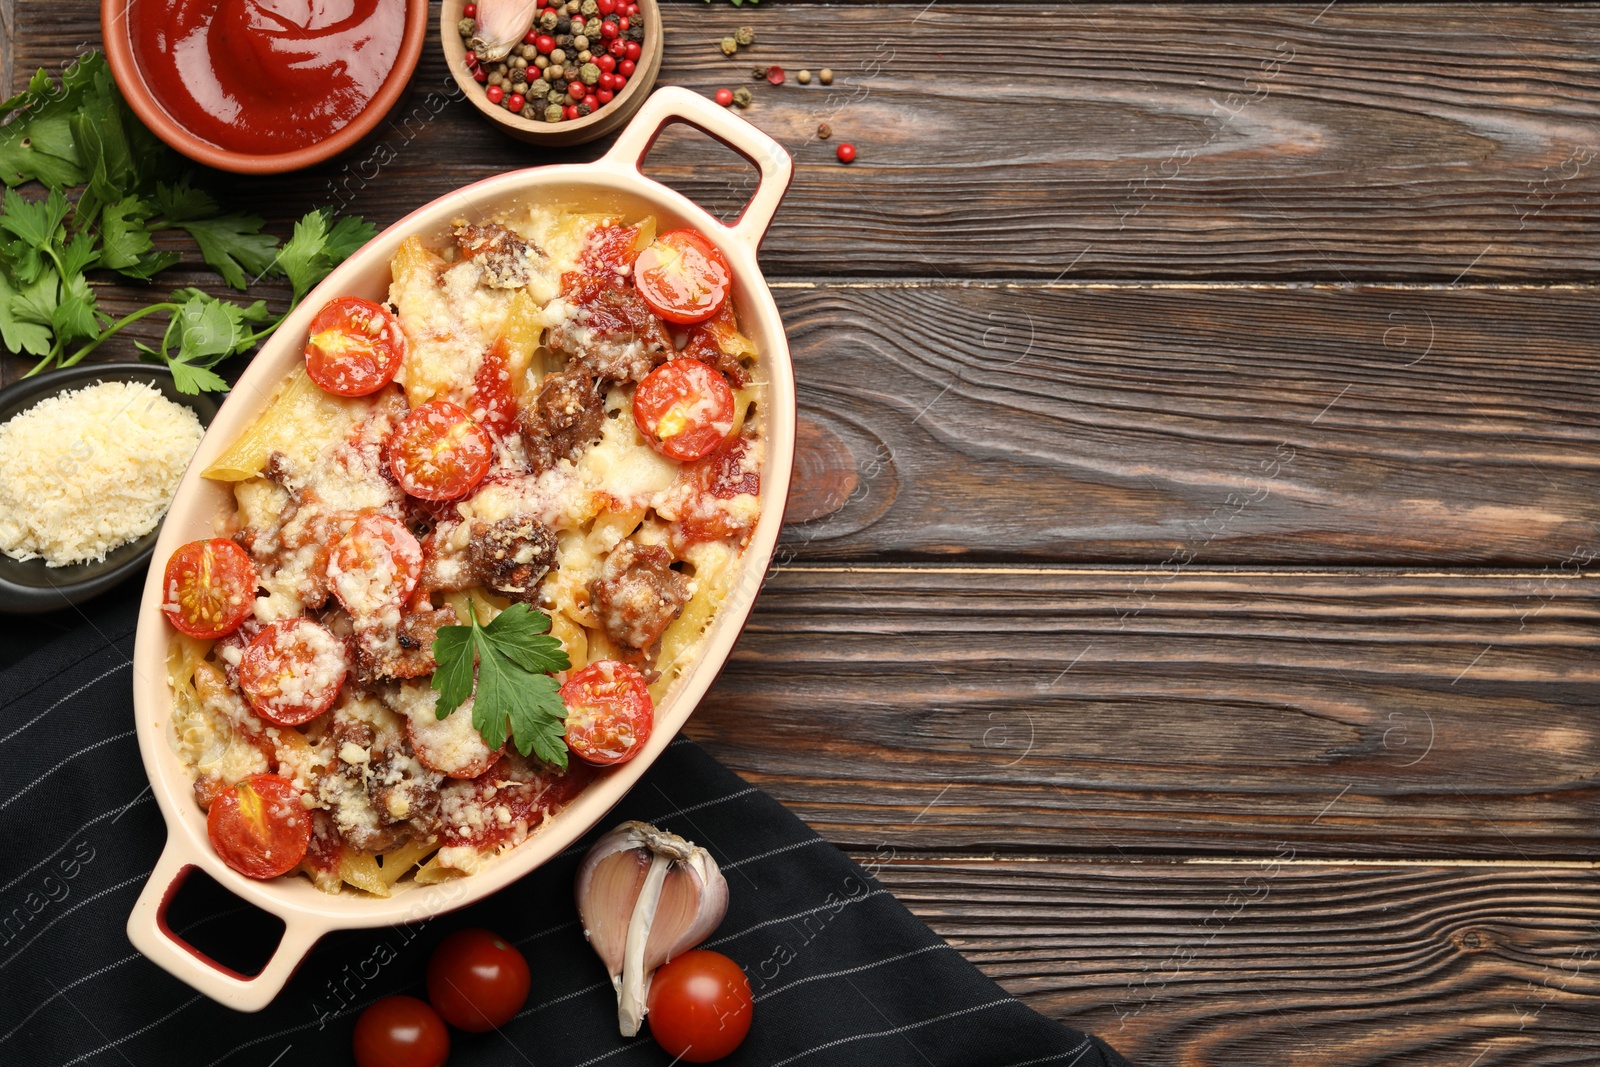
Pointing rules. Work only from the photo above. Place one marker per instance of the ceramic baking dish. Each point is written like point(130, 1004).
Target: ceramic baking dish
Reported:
point(611, 183)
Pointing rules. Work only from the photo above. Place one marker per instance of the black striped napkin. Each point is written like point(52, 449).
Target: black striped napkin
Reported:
point(842, 972)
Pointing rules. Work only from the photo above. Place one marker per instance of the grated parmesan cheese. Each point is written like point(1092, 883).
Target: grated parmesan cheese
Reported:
point(89, 470)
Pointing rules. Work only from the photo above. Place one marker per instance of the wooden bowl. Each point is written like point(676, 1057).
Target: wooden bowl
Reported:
point(608, 119)
point(114, 21)
point(612, 183)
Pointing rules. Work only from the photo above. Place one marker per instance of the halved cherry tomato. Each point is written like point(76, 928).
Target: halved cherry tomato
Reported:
point(355, 347)
point(682, 277)
point(292, 671)
point(400, 1032)
point(477, 980)
point(699, 1006)
point(609, 712)
point(210, 588)
point(375, 566)
point(684, 409)
point(258, 826)
point(438, 452)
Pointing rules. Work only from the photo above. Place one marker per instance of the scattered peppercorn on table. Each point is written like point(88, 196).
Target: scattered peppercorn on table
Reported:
point(1186, 604)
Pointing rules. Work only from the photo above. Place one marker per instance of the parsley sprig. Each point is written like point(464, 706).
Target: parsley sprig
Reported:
point(111, 187)
point(516, 697)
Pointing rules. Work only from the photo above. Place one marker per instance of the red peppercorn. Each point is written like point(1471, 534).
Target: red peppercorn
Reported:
point(725, 97)
point(846, 153)
point(618, 81)
point(775, 75)
point(622, 24)
point(570, 111)
point(577, 24)
point(514, 102)
point(632, 50)
point(545, 43)
point(472, 59)
point(633, 9)
point(479, 74)
point(608, 30)
point(607, 63)
point(470, 11)
point(607, 7)
point(605, 96)
point(626, 68)
point(617, 46)
point(591, 101)
point(495, 94)
point(531, 37)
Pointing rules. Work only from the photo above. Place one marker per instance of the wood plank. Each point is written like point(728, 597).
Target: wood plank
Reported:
point(1270, 963)
point(1220, 425)
point(1216, 424)
point(1362, 714)
point(1216, 141)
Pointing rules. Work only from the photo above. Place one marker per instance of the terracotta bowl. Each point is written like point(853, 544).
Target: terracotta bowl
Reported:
point(119, 53)
point(608, 119)
point(613, 183)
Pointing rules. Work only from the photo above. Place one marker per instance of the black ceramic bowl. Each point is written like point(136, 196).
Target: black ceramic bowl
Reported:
point(28, 588)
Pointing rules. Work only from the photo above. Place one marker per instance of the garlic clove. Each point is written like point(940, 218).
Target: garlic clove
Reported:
point(500, 25)
point(606, 904)
point(645, 896)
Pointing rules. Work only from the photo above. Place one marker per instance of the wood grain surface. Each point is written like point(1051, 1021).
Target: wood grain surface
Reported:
point(1172, 709)
point(1343, 142)
point(1279, 961)
point(1187, 602)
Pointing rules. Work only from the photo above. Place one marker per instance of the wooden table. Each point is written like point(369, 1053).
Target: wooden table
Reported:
point(1188, 603)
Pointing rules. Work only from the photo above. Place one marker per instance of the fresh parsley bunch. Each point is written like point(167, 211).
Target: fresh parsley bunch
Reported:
point(79, 137)
point(516, 697)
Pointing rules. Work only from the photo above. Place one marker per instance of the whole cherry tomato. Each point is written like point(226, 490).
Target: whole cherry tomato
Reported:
point(477, 980)
point(699, 1006)
point(401, 1032)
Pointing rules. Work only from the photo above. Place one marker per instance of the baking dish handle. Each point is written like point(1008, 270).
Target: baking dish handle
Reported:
point(150, 934)
point(676, 104)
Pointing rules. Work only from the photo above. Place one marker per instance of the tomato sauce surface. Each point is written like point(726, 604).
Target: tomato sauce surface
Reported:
point(265, 76)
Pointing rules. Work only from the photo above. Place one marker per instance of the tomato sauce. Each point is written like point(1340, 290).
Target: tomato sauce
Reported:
point(265, 76)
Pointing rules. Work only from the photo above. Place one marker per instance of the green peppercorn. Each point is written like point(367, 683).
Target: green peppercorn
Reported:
point(585, 56)
point(548, 20)
point(589, 8)
point(590, 73)
point(555, 96)
point(466, 26)
point(558, 57)
point(759, 74)
point(538, 88)
point(573, 7)
point(552, 113)
point(520, 88)
point(745, 35)
point(742, 96)
point(729, 46)
point(529, 111)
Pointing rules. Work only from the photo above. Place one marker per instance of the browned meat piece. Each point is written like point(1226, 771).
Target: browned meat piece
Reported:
point(565, 418)
point(512, 556)
point(506, 259)
point(615, 335)
point(702, 346)
point(637, 594)
point(402, 790)
point(403, 651)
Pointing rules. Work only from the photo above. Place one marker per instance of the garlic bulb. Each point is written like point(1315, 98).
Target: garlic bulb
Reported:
point(500, 25)
point(645, 896)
